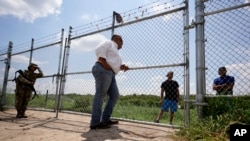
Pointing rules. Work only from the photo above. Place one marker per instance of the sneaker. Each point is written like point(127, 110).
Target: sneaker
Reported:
point(101, 125)
point(156, 121)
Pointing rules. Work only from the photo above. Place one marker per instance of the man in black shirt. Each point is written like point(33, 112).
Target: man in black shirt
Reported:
point(171, 98)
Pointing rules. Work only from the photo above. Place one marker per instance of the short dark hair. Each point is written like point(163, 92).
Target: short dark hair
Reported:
point(222, 68)
point(115, 36)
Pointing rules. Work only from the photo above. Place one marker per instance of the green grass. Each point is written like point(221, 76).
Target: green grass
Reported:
point(218, 116)
point(134, 107)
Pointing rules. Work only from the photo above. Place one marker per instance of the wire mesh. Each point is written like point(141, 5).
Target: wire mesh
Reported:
point(227, 34)
point(20, 59)
point(147, 45)
point(21, 47)
point(150, 45)
point(152, 38)
point(45, 41)
point(3, 50)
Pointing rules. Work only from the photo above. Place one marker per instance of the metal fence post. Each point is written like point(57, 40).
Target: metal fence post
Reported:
point(58, 76)
point(113, 24)
point(200, 56)
point(64, 70)
point(118, 18)
point(186, 68)
point(6, 74)
point(31, 50)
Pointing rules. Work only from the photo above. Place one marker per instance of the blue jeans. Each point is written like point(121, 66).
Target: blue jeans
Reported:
point(105, 84)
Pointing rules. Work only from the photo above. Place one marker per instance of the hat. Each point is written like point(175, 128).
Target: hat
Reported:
point(33, 65)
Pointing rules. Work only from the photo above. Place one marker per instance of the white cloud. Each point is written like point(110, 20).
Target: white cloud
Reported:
point(29, 10)
point(88, 43)
point(76, 84)
point(241, 69)
point(21, 59)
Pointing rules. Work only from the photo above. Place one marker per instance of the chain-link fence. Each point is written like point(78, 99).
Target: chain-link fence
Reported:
point(156, 41)
point(153, 45)
point(227, 34)
point(37, 51)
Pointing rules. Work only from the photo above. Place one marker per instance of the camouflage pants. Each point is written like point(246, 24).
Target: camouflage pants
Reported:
point(23, 96)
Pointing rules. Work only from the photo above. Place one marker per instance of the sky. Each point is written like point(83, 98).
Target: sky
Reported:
point(22, 20)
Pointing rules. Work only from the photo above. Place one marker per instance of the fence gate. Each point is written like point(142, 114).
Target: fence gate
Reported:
point(155, 42)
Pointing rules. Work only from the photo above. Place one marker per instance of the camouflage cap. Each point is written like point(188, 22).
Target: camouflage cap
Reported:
point(33, 65)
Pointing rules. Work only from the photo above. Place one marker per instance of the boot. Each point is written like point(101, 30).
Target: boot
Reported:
point(23, 114)
point(18, 115)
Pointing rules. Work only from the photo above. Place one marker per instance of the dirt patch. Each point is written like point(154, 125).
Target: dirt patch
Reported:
point(43, 126)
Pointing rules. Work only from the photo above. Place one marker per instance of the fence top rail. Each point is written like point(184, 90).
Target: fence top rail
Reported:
point(44, 46)
point(227, 9)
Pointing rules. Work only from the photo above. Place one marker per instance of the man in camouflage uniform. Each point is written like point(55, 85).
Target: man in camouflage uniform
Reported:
point(23, 88)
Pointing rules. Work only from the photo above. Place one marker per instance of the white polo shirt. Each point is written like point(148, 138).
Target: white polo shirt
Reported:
point(109, 51)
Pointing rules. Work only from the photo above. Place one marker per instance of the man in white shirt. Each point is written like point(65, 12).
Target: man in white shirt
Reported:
point(104, 70)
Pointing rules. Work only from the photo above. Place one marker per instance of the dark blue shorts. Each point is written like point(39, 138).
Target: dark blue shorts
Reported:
point(169, 104)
